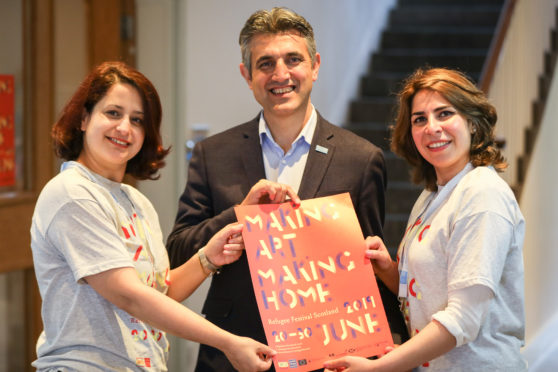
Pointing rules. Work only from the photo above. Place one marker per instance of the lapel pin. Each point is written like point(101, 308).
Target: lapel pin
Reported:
point(321, 149)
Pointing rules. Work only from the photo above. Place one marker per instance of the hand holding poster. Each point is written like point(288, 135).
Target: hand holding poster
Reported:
point(316, 292)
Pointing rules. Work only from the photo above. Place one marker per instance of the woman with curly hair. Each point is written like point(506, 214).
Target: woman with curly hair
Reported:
point(459, 269)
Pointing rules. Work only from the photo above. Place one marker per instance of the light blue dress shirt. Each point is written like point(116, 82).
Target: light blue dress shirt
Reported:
point(287, 168)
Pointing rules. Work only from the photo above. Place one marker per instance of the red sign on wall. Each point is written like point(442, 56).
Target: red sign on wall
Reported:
point(316, 292)
point(7, 136)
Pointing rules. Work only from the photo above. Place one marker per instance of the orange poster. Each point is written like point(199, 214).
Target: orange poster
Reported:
point(7, 148)
point(316, 292)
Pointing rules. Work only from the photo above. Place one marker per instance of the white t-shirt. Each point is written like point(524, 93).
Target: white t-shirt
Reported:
point(471, 235)
point(83, 225)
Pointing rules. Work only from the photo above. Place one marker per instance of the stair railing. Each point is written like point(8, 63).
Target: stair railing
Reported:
point(511, 72)
point(496, 46)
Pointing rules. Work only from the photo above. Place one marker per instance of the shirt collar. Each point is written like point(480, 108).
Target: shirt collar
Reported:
point(306, 133)
point(92, 176)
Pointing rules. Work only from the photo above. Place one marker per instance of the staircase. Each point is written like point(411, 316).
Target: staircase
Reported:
point(538, 106)
point(420, 33)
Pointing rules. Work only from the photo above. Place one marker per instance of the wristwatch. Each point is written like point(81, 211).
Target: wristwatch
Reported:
point(206, 264)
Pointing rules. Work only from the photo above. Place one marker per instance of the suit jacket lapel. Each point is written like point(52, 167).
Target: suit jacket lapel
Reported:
point(319, 157)
point(251, 151)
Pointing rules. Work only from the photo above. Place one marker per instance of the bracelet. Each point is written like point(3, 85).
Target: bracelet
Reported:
point(206, 264)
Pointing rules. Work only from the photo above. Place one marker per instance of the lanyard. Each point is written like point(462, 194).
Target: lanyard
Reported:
point(436, 200)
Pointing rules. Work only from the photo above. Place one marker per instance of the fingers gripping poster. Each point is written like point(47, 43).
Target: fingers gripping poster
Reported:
point(316, 292)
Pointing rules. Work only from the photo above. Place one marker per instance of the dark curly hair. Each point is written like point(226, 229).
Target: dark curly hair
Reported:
point(467, 99)
point(68, 137)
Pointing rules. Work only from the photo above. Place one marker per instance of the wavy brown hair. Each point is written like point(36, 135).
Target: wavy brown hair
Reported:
point(68, 137)
point(467, 99)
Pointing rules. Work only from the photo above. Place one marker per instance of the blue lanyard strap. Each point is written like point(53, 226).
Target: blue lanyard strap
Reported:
point(436, 200)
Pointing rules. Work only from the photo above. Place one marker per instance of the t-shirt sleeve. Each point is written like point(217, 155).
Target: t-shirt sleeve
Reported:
point(465, 313)
point(478, 247)
point(88, 239)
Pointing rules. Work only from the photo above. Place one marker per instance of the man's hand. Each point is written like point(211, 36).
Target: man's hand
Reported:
point(268, 192)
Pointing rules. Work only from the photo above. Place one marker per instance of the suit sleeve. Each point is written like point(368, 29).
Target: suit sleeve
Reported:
point(196, 220)
point(371, 198)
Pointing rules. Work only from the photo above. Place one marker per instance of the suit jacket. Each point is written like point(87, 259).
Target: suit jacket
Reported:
point(222, 170)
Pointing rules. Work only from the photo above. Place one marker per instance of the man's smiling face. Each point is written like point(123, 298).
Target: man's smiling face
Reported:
point(282, 73)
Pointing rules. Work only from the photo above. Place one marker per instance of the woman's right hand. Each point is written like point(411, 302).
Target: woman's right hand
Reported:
point(349, 364)
point(226, 245)
point(377, 252)
point(249, 355)
point(384, 267)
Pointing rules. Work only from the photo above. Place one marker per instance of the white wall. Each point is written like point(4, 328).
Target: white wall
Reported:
point(344, 32)
point(189, 49)
point(539, 204)
point(70, 53)
point(156, 59)
point(514, 88)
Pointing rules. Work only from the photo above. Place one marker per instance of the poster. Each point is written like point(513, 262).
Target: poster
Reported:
point(7, 147)
point(316, 292)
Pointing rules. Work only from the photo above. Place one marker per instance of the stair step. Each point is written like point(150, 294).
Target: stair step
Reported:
point(372, 109)
point(394, 228)
point(380, 135)
point(445, 15)
point(377, 133)
point(401, 60)
point(400, 197)
point(377, 84)
point(436, 28)
point(435, 52)
point(397, 168)
point(545, 82)
point(389, 84)
point(430, 39)
point(442, 3)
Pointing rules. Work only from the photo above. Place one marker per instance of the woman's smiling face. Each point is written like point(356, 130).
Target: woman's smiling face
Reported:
point(113, 132)
point(441, 134)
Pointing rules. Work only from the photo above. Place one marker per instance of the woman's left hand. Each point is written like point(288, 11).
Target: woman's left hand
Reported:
point(226, 245)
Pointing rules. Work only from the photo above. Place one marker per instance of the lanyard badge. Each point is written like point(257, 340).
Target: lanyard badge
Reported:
point(403, 270)
point(407, 241)
point(402, 284)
